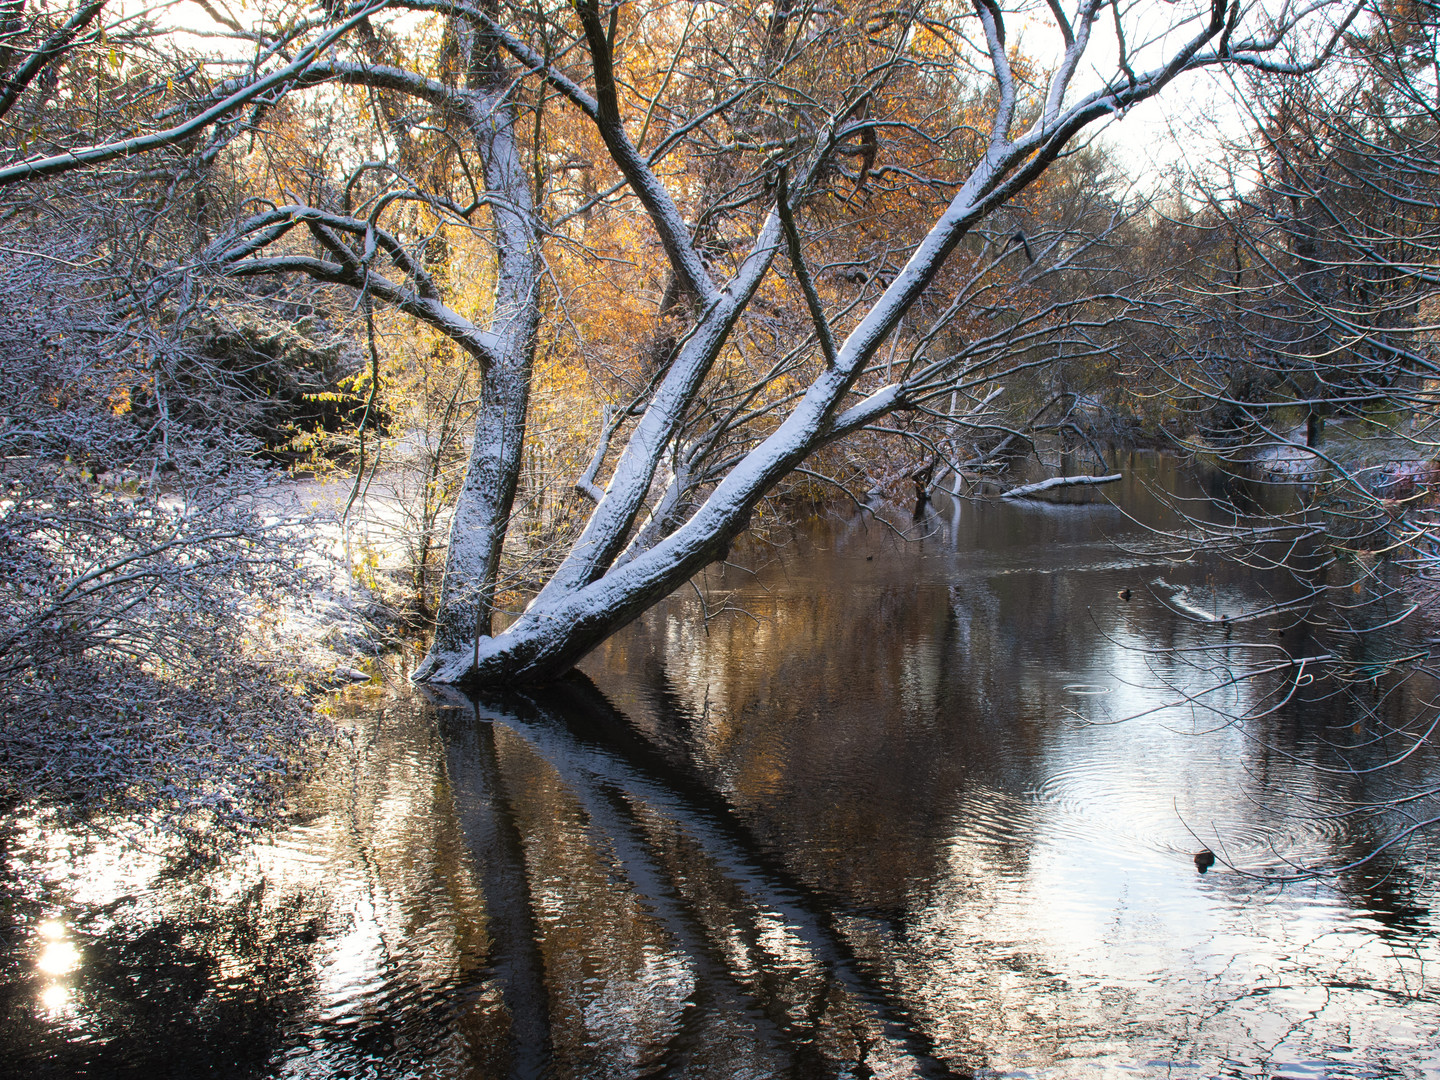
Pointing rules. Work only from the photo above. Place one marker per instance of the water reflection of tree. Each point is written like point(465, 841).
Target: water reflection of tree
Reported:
point(624, 848)
point(868, 706)
point(922, 691)
point(209, 989)
point(851, 745)
point(513, 960)
point(353, 945)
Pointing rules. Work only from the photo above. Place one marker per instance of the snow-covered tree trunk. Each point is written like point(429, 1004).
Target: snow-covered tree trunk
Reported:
point(356, 253)
point(482, 513)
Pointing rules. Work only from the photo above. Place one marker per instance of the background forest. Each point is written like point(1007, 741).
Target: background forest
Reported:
point(583, 264)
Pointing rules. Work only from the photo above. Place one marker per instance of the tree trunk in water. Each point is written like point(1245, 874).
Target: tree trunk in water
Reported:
point(477, 533)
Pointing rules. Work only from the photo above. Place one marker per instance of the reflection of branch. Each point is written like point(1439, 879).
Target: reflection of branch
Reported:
point(640, 859)
point(593, 748)
point(488, 823)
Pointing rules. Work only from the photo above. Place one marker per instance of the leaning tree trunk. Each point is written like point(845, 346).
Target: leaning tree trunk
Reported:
point(482, 514)
point(578, 610)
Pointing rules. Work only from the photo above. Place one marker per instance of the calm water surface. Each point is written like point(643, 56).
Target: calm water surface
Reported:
point(873, 808)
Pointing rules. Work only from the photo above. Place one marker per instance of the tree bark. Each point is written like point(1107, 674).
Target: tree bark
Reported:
point(482, 513)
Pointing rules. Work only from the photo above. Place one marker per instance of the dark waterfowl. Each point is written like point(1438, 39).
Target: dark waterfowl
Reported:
point(1204, 859)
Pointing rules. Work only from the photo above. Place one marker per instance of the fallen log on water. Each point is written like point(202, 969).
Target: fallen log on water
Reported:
point(1026, 491)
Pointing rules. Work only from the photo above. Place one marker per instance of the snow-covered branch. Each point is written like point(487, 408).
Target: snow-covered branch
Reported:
point(36, 168)
point(1027, 491)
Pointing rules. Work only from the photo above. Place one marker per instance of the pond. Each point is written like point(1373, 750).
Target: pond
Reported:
point(872, 806)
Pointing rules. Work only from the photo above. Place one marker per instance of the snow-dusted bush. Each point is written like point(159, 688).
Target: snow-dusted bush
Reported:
point(141, 561)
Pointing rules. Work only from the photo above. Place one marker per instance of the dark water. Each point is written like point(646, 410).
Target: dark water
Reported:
point(880, 814)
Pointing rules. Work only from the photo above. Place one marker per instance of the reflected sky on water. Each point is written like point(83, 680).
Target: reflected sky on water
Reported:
point(880, 814)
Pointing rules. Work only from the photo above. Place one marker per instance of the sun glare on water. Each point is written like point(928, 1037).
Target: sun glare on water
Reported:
point(57, 959)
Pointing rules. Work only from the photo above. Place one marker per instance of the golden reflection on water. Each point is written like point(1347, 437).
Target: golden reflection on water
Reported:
point(59, 958)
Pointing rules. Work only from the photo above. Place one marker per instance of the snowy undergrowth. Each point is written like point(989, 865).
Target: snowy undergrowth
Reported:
point(190, 710)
